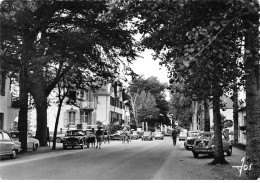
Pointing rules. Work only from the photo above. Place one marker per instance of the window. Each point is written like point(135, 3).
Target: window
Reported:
point(6, 136)
point(83, 117)
point(72, 117)
point(2, 83)
point(72, 96)
point(1, 120)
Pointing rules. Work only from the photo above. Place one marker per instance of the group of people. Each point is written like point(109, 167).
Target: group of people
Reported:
point(98, 137)
point(127, 135)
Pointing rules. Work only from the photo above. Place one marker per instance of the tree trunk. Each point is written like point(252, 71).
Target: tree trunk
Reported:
point(61, 99)
point(235, 115)
point(56, 126)
point(206, 114)
point(23, 113)
point(253, 102)
point(40, 98)
point(218, 151)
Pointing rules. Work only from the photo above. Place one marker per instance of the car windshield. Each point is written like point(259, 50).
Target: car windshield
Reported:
point(135, 133)
point(193, 134)
point(14, 135)
point(75, 133)
point(205, 136)
point(158, 133)
point(147, 133)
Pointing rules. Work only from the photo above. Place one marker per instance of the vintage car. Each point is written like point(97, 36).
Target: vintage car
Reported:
point(74, 138)
point(190, 139)
point(204, 144)
point(118, 135)
point(8, 146)
point(59, 137)
point(148, 135)
point(32, 143)
point(135, 135)
point(158, 135)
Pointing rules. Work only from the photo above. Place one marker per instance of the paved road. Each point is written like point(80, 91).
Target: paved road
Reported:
point(138, 160)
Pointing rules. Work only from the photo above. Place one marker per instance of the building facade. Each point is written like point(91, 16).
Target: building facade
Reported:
point(111, 109)
point(8, 112)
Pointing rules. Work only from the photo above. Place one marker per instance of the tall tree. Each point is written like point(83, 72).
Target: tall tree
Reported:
point(146, 107)
point(37, 36)
point(197, 40)
point(180, 106)
point(251, 26)
point(157, 89)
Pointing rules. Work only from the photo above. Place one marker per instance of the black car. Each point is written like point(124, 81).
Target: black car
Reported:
point(188, 144)
point(74, 138)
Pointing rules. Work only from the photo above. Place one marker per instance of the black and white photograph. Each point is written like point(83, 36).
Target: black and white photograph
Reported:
point(129, 90)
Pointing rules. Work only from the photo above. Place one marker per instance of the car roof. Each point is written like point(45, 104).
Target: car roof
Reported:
point(74, 130)
point(14, 132)
point(207, 133)
point(3, 131)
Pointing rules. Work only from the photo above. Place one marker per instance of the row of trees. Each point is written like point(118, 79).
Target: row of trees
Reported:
point(211, 48)
point(148, 101)
point(44, 41)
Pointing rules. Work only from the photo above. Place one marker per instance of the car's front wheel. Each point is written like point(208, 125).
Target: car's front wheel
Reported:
point(58, 140)
point(196, 155)
point(35, 146)
point(14, 154)
point(229, 152)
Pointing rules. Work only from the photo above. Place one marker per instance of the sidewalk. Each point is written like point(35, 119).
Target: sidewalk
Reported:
point(41, 149)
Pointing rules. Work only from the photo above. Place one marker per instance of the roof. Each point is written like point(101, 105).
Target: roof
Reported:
point(207, 133)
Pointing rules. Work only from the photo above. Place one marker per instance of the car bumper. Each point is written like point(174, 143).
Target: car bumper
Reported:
point(189, 145)
point(203, 151)
point(182, 138)
point(72, 144)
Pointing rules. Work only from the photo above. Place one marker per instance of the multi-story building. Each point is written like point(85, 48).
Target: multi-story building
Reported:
point(85, 109)
point(8, 112)
point(111, 108)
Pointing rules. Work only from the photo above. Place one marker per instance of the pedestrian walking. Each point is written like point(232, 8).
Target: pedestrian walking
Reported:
point(92, 137)
point(106, 137)
point(174, 136)
point(125, 135)
point(99, 137)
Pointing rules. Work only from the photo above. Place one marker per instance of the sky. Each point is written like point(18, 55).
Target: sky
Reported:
point(148, 67)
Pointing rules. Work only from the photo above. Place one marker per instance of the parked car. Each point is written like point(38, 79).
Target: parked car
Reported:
point(74, 138)
point(190, 139)
point(204, 144)
point(59, 137)
point(135, 135)
point(148, 135)
point(158, 135)
point(118, 135)
point(140, 133)
point(183, 134)
point(32, 143)
point(8, 146)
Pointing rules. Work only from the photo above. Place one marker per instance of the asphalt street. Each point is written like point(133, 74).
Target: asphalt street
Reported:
point(137, 160)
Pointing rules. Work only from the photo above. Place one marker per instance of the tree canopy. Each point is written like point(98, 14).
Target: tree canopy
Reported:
point(41, 41)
